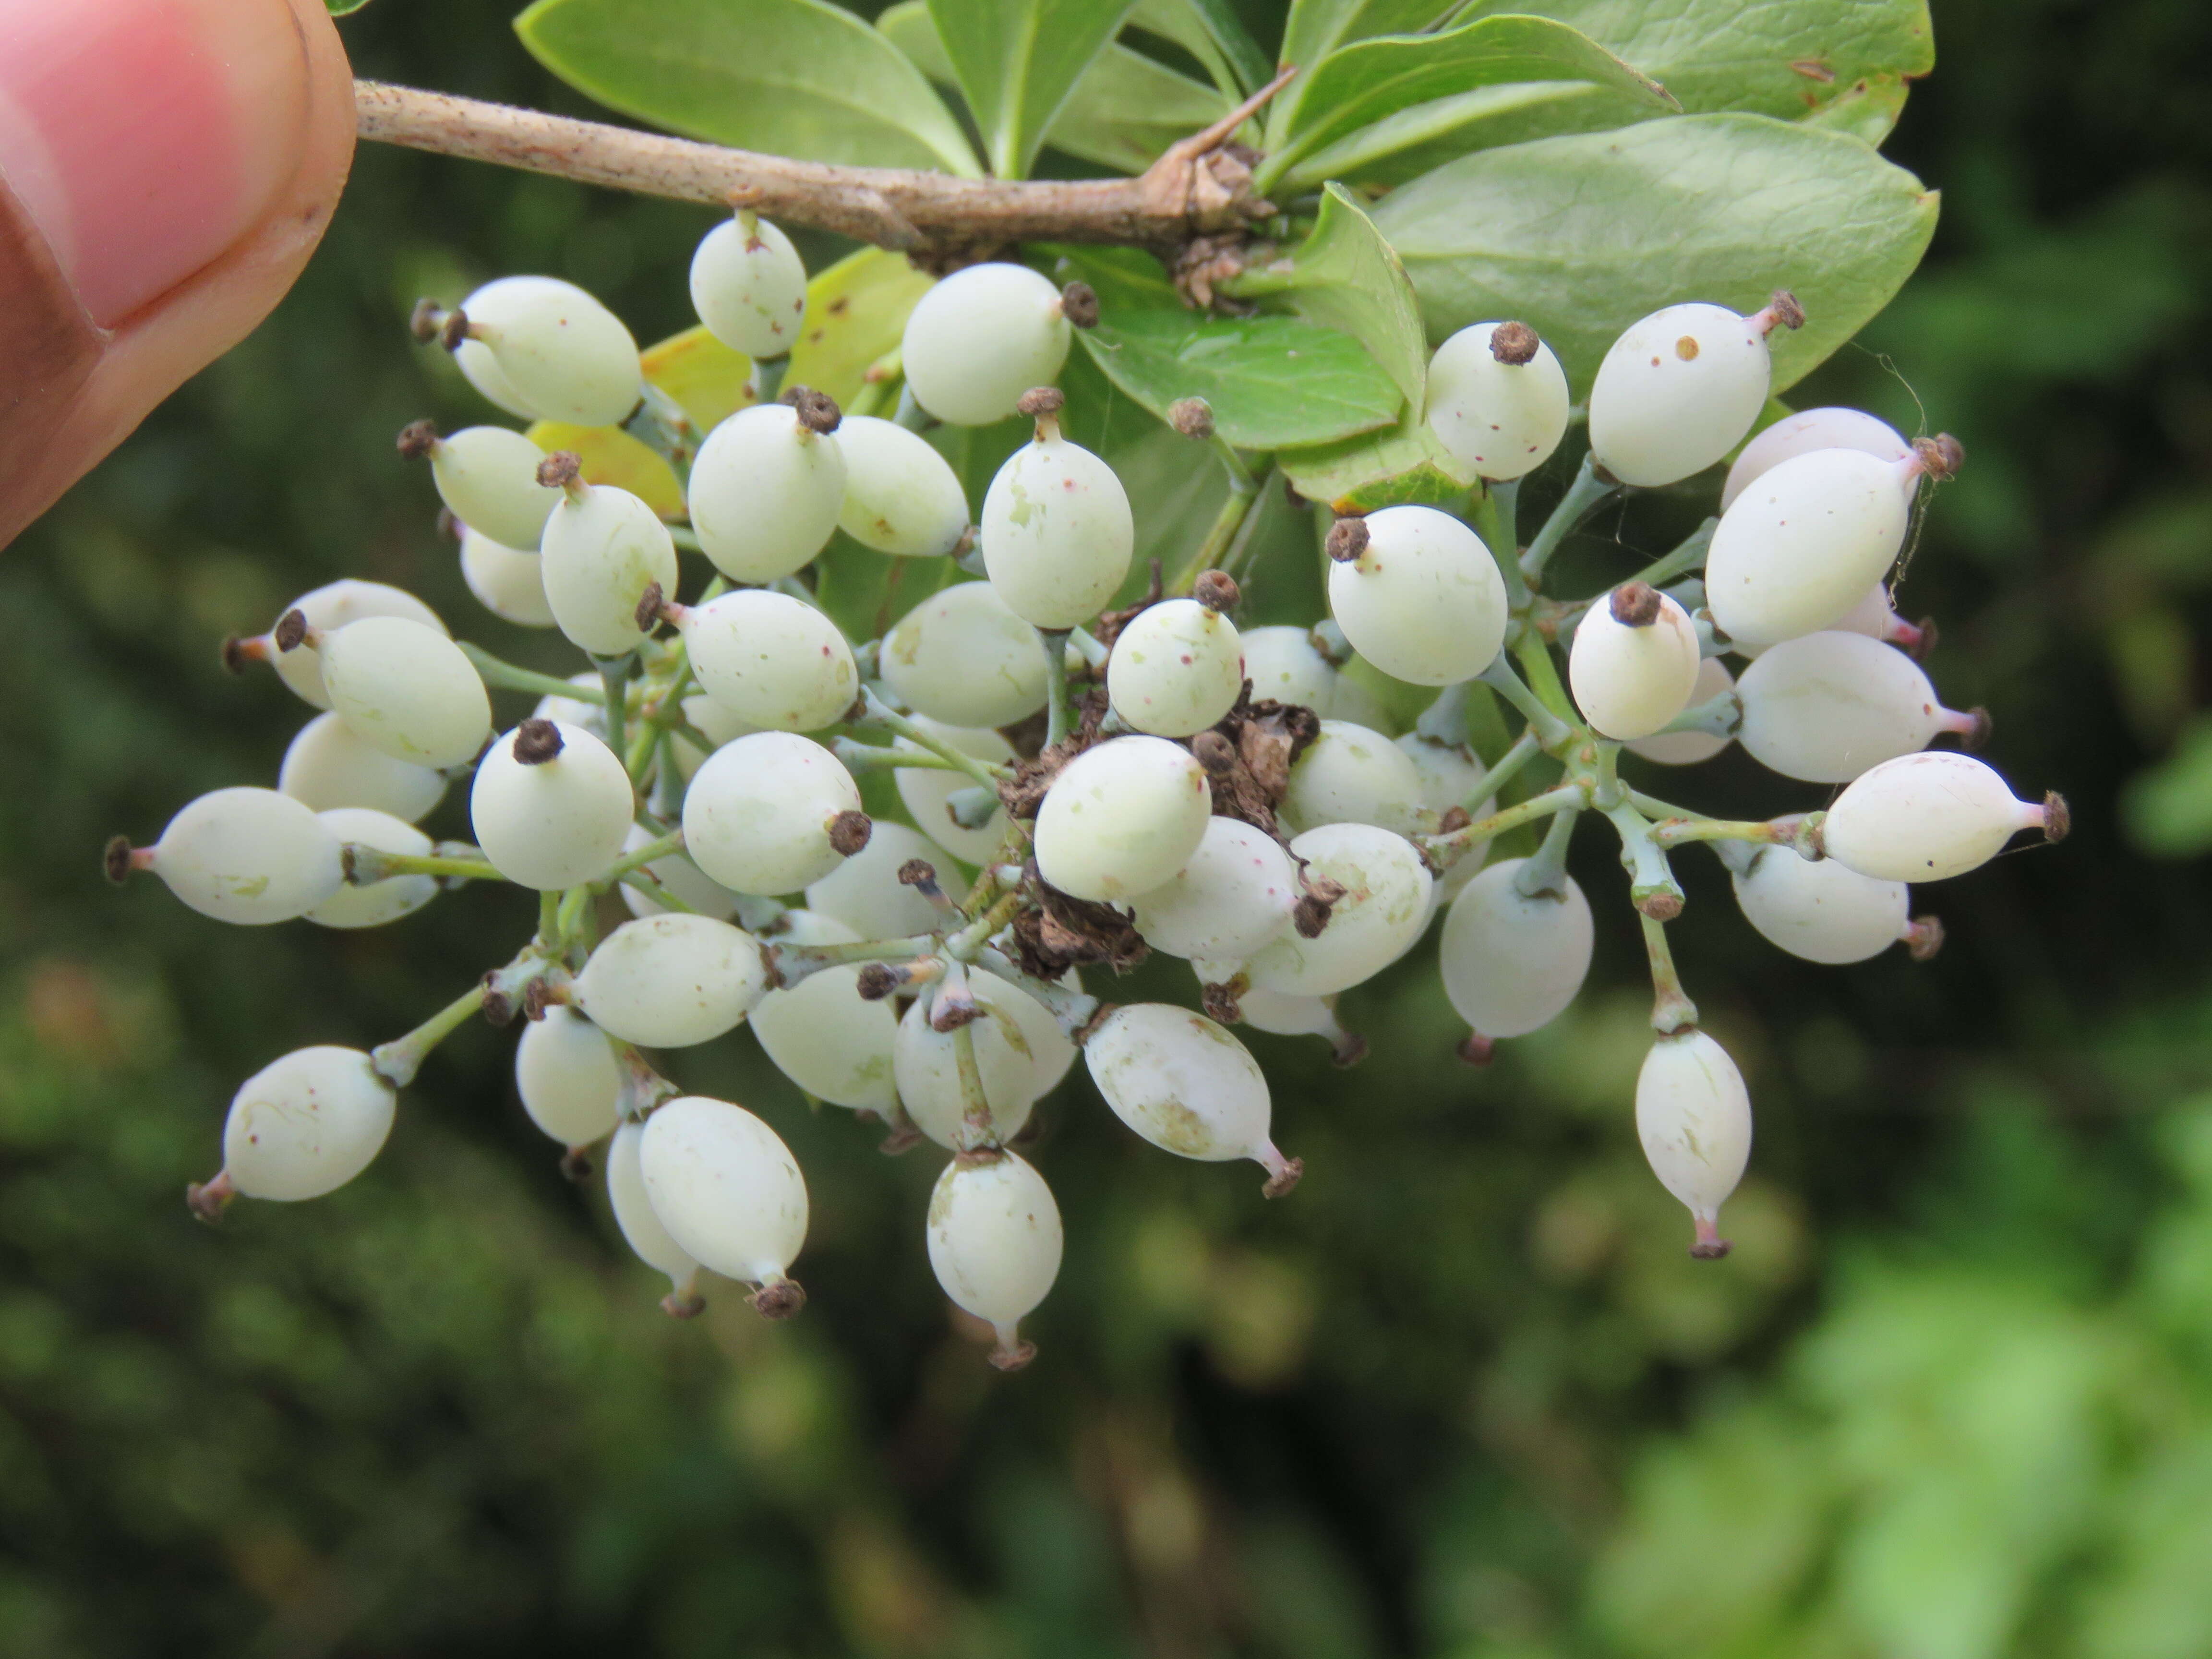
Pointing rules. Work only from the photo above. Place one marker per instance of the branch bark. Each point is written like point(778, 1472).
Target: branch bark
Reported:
point(1201, 186)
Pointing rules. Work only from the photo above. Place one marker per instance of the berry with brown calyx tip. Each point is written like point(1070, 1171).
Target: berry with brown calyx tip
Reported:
point(849, 832)
point(980, 338)
point(1635, 604)
point(1347, 539)
point(1217, 591)
point(537, 742)
point(1040, 401)
point(1514, 344)
point(817, 412)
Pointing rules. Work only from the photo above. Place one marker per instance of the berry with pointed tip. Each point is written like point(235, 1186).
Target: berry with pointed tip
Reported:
point(562, 353)
point(305, 1125)
point(729, 1192)
point(1349, 775)
point(1678, 390)
point(1927, 817)
point(379, 902)
point(994, 1244)
point(1821, 909)
point(749, 287)
point(1121, 819)
point(327, 610)
point(1801, 546)
point(962, 657)
point(643, 1229)
point(1512, 962)
point(326, 766)
point(865, 894)
point(509, 584)
point(776, 662)
point(1056, 531)
point(487, 475)
point(407, 689)
point(926, 1063)
point(1177, 669)
point(550, 805)
point(1233, 896)
point(1386, 891)
point(248, 856)
point(900, 495)
point(1498, 400)
point(604, 549)
point(980, 338)
point(570, 1083)
point(1691, 748)
point(1188, 1086)
point(684, 880)
point(1693, 1116)
point(1806, 430)
point(765, 492)
point(761, 814)
point(925, 792)
point(671, 982)
point(1825, 707)
point(821, 1033)
point(1631, 677)
point(1422, 598)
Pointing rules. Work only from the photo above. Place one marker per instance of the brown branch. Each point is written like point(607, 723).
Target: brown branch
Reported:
point(1197, 188)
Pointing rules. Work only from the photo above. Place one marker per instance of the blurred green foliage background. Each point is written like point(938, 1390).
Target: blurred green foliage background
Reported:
point(1464, 1397)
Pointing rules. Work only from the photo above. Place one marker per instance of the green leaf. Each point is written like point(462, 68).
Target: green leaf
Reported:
point(1017, 61)
point(1271, 380)
point(1346, 276)
point(1403, 465)
point(1359, 85)
point(792, 77)
point(1802, 60)
point(1210, 32)
point(1581, 236)
point(344, 8)
point(1123, 113)
point(1123, 279)
point(1317, 27)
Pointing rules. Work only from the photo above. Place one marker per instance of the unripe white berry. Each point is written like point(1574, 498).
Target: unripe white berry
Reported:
point(900, 495)
point(1422, 600)
point(604, 547)
point(820, 1033)
point(326, 766)
point(994, 1244)
point(406, 689)
point(330, 608)
point(1349, 775)
point(1821, 909)
point(1186, 1085)
point(1285, 666)
point(378, 902)
point(1177, 669)
point(642, 1228)
point(561, 353)
point(566, 1072)
point(671, 982)
point(1805, 431)
point(1500, 415)
point(776, 662)
point(487, 475)
point(509, 584)
point(1676, 391)
point(749, 287)
point(1691, 748)
point(1825, 707)
point(1050, 1047)
point(684, 880)
point(1511, 962)
point(725, 1187)
point(1802, 545)
point(759, 815)
point(962, 657)
point(1926, 817)
point(927, 792)
point(1056, 532)
point(980, 339)
point(1385, 906)
point(248, 856)
point(865, 894)
point(765, 493)
point(548, 822)
point(1631, 680)
point(713, 722)
point(306, 1124)
point(1232, 897)
point(1121, 819)
point(1693, 1116)
point(926, 1063)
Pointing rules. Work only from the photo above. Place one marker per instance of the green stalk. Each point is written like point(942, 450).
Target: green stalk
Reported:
point(1671, 1010)
point(1583, 495)
point(501, 676)
point(1443, 851)
point(1551, 731)
point(1545, 872)
point(1060, 710)
point(768, 378)
point(880, 713)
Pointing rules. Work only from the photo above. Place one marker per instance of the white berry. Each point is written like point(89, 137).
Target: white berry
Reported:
point(962, 657)
point(1676, 391)
point(1422, 600)
point(326, 766)
point(726, 1187)
point(603, 549)
point(1232, 897)
point(1631, 680)
point(749, 287)
point(900, 495)
point(980, 339)
point(1502, 419)
point(379, 902)
point(671, 982)
point(1821, 909)
point(776, 663)
point(406, 689)
point(995, 1243)
point(248, 856)
point(305, 1125)
point(1926, 817)
point(759, 815)
point(1384, 907)
point(1512, 962)
point(566, 1072)
point(1177, 669)
point(1121, 819)
point(765, 493)
point(550, 820)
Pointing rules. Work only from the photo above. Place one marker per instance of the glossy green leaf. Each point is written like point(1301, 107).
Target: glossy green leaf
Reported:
point(1369, 80)
point(1017, 61)
point(1123, 113)
point(792, 77)
point(344, 8)
point(1315, 28)
point(1581, 236)
point(1845, 66)
point(1404, 465)
point(1345, 276)
point(1124, 278)
point(1209, 31)
point(1271, 380)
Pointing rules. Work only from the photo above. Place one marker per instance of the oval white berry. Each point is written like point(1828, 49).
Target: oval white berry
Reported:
point(758, 815)
point(865, 894)
point(509, 584)
point(962, 657)
point(305, 1125)
point(560, 352)
point(1177, 668)
point(1121, 819)
point(642, 1228)
point(1349, 775)
point(765, 493)
point(406, 689)
point(1500, 419)
point(820, 1033)
point(1285, 666)
point(326, 766)
point(1057, 531)
point(487, 475)
point(553, 822)
point(1821, 909)
point(248, 856)
point(1802, 545)
point(1676, 391)
point(671, 982)
point(1693, 1116)
point(379, 902)
point(1186, 1084)
point(1232, 896)
point(1805, 431)
point(1629, 681)
point(926, 1063)
point(1422, 600)
point(1926, 817)
point(330, 608)
point(927, 792)
point(725, 1187)
point(1385, 905)
point(995, 1243)
point(980, 339)
point(603, 549)
point(566, 1072)
point(1825, 707)
point(1691, 748)
point(900, 495)
point(776, 662)
point(749, 287)
point(1511, 962)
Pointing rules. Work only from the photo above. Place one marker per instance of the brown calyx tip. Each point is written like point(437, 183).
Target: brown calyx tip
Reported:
point(2058, 816)
point(117, 861)
point(1078, 303)
point(817, 412)
point(1977, 735)
point(1192, 416)
point(1220, 1003)
point(235, 654)
point(1454, 817)
point(576, 1164)
point(1941, 458)
point(1310, 914)
point(537, 741)
point(208, 1199)
point(498, 1007)
point(849, 832)
point(418, 438)
point(877, 981)
point(952, 1009)
point(1284, 1180)
point(291, 629)
point(426, 320)
point(1214, 752)
point(561, 469)
point(1013, 1359)
point(536, 997)
point(1347, 539)
point(1635, 604)
point(1514, 342)
point(917, 872)
point(779, 1300)
point(1040, 401)
point(649, 605)
point(453, 329)
point(1783, 306)
point(1217, 591)
point(1477, 1050)
point(1662, 905)
point(1710, 1249)
point(689, 1306)
point(1347, 1050)
point(1923, 938)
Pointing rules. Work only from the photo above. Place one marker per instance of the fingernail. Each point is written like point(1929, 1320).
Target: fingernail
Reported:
point(144, 137)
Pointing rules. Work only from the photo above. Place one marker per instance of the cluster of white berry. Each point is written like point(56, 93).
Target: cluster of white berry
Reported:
point(1084, 785)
